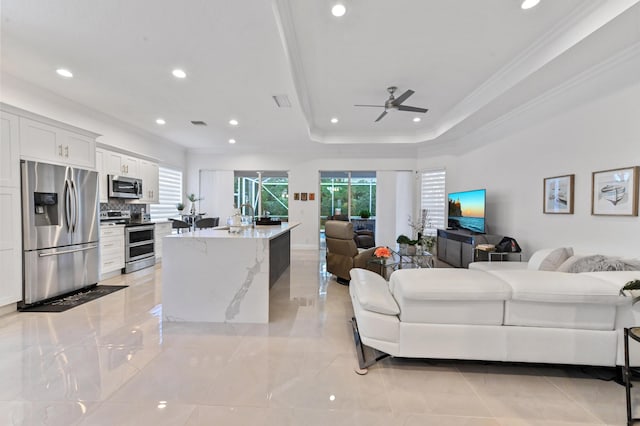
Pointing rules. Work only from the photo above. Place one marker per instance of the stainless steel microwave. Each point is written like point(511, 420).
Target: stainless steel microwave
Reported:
point(124, 187)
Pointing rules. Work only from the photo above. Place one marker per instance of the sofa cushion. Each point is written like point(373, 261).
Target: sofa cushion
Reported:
point(449, 296)
point(490, 266)
point(557, 287)
point(585, 316)
point(549, 259)
point(372, 292)
point(448, 284)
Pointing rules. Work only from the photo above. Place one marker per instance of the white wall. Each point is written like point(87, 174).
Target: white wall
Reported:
point(115, 133)
point(600, 134)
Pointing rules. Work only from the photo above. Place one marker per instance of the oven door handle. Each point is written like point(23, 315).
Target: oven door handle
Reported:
point(140, 228)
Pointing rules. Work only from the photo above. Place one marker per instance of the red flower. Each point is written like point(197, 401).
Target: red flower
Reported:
point(382, 252)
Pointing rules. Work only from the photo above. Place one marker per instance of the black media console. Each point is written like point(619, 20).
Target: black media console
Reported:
point(457, 247)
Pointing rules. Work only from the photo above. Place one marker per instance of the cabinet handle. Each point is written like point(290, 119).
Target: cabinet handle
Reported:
point(110, 262)
point(108, 245)
point(66, 151)
point(60, 150)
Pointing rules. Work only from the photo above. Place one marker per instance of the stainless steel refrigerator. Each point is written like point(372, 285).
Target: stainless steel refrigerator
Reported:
point(60, 230)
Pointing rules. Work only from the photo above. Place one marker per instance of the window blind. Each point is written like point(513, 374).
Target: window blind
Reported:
point(433, 198)
point(170, 193)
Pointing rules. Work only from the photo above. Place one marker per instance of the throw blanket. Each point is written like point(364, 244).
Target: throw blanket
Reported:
point(598, 263)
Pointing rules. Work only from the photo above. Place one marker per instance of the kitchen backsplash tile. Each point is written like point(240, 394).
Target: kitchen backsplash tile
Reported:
point(115, 204)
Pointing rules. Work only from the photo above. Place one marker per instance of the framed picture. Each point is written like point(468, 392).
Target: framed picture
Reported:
point(615, 192)
point(312, 196)
point(303, 196)
point(296, 195)
point(558, 195)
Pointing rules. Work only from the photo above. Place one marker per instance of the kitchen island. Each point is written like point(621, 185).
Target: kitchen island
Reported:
point(212, 275)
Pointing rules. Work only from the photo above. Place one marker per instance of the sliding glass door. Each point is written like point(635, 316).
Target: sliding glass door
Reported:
point(347, 195)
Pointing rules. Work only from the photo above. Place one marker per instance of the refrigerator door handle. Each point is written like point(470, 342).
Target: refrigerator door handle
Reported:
point(67, 204)
point(74, 217)
point(67, 251)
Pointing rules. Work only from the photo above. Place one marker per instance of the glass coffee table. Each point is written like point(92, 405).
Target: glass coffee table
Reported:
point(397, 261)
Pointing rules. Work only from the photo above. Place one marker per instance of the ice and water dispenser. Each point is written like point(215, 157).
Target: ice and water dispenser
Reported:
point(46, 208)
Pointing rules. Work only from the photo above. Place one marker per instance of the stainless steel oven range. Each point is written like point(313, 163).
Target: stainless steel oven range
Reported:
point(139, 246)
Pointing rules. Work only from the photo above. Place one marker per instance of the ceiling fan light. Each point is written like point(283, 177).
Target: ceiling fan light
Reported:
point(338, 10)
point(528, 4)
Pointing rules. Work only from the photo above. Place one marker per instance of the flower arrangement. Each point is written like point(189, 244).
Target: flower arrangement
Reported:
point(382, 252)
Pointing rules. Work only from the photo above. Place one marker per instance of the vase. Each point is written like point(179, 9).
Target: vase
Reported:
point(411, 249)
point(192, 209)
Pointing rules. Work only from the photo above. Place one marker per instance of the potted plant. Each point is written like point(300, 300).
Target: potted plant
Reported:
point(631, 285)
point(192, 198)
point(365, 214)
point(180, 207)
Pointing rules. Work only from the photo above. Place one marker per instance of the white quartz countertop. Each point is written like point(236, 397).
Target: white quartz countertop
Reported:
point(222, 232)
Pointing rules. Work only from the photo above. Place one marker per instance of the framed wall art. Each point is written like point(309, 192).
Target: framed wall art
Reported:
point(312, 196)
point(296, 195)
point(303, 196)
point(615, 192)
point(558, 194)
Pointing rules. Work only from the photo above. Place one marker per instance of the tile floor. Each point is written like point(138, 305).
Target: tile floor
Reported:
point(114, 362)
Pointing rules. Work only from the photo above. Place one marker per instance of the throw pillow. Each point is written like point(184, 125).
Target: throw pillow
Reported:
point(599, 262)
point(566, 265)
point(549, 259)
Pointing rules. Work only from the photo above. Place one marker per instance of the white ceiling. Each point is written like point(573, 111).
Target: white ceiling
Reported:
point(464, 59)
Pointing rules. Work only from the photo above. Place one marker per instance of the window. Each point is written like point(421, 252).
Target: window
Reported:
point(273, 190)
point(170, 193)
point(432, 198)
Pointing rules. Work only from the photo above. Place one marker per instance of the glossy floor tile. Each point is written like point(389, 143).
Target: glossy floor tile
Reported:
point(114, 362)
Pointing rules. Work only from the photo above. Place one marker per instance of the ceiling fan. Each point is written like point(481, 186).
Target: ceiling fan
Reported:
point(396, 103)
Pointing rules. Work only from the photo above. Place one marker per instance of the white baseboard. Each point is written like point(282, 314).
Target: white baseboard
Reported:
point(7, 309)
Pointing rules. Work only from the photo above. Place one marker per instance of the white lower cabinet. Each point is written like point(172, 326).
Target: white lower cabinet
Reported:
point(162, 230)
point(111, 249)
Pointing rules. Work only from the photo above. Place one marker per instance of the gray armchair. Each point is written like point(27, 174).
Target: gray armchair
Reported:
point(342, 253)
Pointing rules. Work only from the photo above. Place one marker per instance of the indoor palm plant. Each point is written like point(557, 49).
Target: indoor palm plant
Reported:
point(192, 198)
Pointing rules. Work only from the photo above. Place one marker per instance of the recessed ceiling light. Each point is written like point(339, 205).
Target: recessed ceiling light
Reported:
point(233, 122)
point(528, 4)
point(64, 73)
point(334, 120)
point(417, 119)
point(232, 141)
point(160, 121)
point(178, 73)
point(338, 10)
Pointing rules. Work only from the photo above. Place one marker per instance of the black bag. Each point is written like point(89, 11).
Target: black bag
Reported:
point(508, 245)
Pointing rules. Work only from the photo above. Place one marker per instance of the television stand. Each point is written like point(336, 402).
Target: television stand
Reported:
point(457, 247)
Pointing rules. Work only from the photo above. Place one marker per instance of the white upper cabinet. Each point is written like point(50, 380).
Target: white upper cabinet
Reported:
point(122, 165)
point(45, 142)
point(150, 184)
point(9, 150)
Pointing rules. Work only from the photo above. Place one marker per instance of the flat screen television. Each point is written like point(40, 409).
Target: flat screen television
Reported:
point(466, 210)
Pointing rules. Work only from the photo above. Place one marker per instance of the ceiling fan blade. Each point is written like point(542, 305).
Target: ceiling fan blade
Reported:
point(400, 99)
point(381, 115)
point(375, 106)
point(412, 109)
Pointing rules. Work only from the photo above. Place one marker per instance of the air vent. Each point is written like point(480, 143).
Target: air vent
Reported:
point(282, 101)
point(198, 123)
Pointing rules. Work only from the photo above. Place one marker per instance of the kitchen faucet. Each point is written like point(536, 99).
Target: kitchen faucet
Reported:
point(253, 212)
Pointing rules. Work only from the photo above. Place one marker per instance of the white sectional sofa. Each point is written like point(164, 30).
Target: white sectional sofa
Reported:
point(496, 312)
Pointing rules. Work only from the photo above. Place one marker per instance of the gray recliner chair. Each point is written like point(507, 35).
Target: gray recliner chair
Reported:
point(342, 253)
